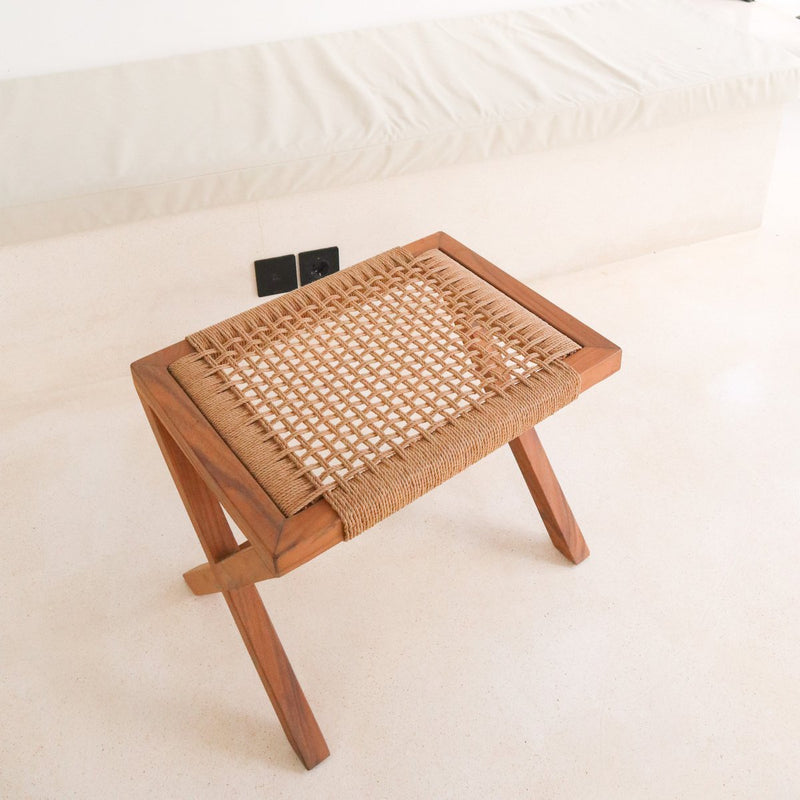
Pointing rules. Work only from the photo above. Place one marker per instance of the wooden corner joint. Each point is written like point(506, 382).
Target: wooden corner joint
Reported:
point(300, 538)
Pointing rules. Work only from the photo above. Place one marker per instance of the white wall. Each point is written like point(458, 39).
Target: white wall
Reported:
point(40, 36)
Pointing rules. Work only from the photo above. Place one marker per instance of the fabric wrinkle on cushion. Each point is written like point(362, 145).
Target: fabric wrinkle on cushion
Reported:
point(227, 126)
point(376, 384)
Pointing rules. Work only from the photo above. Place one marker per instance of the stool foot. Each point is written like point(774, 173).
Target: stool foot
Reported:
point(277, 675)
point(546, 491)
point(255, 627)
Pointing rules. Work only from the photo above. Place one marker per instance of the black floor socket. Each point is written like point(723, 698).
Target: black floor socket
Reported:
point(276, 275)
point(316, 264)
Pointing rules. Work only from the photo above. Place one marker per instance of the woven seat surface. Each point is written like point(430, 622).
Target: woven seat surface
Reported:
point(376, 384)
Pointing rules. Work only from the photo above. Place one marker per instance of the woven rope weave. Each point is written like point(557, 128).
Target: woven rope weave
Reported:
point(376, 384)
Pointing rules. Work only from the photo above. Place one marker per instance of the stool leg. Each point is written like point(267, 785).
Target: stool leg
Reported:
point(245, 604)
point(543, 484)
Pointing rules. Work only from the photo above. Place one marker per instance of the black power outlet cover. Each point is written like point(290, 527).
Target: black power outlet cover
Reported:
point(276, 275)
point(316, 264)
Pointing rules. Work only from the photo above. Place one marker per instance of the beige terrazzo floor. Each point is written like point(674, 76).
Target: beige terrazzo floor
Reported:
point(450, 652)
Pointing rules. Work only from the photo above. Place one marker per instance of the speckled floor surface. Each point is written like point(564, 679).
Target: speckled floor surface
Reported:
point(450, 652)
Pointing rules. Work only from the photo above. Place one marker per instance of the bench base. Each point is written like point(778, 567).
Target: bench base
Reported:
point(551, 211)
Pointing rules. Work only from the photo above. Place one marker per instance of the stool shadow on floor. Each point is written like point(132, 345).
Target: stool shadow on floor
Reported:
point(529, 544)
point(206, 724)
point(527, 541)
point(108, 681)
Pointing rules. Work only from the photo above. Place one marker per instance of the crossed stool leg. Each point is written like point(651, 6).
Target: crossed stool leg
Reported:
point(245, 604)
point(233, 569)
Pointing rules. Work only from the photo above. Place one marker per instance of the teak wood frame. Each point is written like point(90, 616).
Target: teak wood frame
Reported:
point(208, 475)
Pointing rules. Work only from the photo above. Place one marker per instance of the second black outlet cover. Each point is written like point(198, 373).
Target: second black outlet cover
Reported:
point(316, 264)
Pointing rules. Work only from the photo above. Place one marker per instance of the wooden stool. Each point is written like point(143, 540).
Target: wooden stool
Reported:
point(313, 416)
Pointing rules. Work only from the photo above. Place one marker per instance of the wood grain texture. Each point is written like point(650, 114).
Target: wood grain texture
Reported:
point(234, 487)
point(303, 537)
point(277, 675)
point(239, 569)
point(245, 604)
point(546, 491)
point(307, 534)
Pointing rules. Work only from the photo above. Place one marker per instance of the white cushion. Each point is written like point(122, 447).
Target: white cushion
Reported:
point(108, 145)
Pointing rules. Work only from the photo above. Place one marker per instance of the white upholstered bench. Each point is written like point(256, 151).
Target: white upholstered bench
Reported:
point(587, 131)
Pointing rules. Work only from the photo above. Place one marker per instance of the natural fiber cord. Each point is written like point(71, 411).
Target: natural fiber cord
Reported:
point(376, 384)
